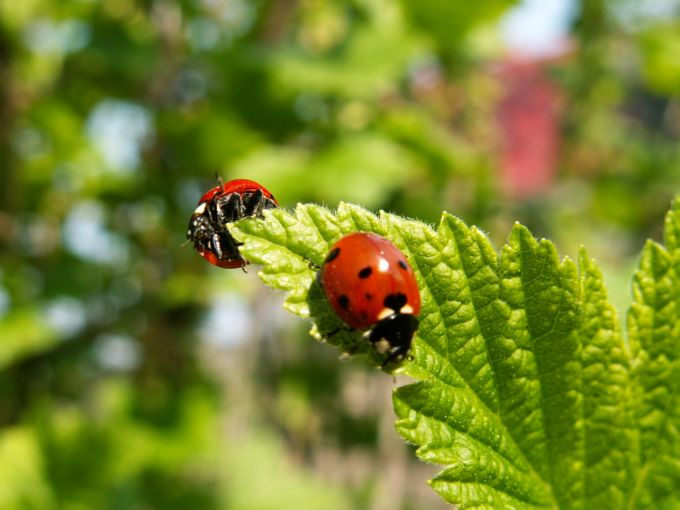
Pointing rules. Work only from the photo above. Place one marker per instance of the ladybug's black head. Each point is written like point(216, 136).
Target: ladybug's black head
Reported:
point(393, 334)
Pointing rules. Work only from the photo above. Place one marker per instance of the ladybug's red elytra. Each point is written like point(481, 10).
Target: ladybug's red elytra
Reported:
point(371, 287)
point(225, 203)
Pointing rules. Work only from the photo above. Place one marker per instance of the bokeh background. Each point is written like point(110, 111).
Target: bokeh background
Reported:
point(134, 375)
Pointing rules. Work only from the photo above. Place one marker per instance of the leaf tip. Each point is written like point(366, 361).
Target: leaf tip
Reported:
point(520, 232)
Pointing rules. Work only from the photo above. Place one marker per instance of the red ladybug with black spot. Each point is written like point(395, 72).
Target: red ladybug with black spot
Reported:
point(225, 203)
point(372, 288)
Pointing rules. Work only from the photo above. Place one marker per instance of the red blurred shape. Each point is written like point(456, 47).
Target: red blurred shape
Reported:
point(529, 123)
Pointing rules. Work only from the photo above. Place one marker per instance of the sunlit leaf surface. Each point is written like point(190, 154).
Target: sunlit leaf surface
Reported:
point(526, 394)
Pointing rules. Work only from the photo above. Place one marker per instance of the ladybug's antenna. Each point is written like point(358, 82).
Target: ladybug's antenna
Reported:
point(219, 179)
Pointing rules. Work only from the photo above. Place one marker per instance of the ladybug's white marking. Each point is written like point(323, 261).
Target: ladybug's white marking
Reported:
point(385, 312)
point(407, 309)
point(383, 265)
point(200, 209)
point(382, 346)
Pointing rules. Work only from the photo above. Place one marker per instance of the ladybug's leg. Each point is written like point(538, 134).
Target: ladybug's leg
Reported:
point(217, 245)
point(256, 202)
point(224, 245)
point(228, 209)
point(212, 212)
point(313, 266)
point(347, 350)
point(229, 244)
point(337, 330)
point(397, 353)
point(253, 204)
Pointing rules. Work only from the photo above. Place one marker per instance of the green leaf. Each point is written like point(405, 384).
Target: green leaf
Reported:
point(610, 440)
point(654, 337)
point(525, 391)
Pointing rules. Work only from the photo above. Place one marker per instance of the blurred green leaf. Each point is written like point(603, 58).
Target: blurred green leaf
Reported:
point(109, 455)
point(362, 168)
point(369, 64)
point(257, 461)
point(660, 47)
point(24, 333)
point(22, 472)
point(449, 22)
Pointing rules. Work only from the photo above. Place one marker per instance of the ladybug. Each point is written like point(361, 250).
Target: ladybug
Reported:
point(225, 203)
point(372, 288)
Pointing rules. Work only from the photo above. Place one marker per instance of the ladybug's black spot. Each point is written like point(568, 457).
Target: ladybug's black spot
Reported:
point(332, 255)
point(365, 272)
point(403, 265)
point(395, 301)
point(343, 301)
point(368, 296)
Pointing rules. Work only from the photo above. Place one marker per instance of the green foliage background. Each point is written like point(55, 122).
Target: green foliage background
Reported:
point(133, 374)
